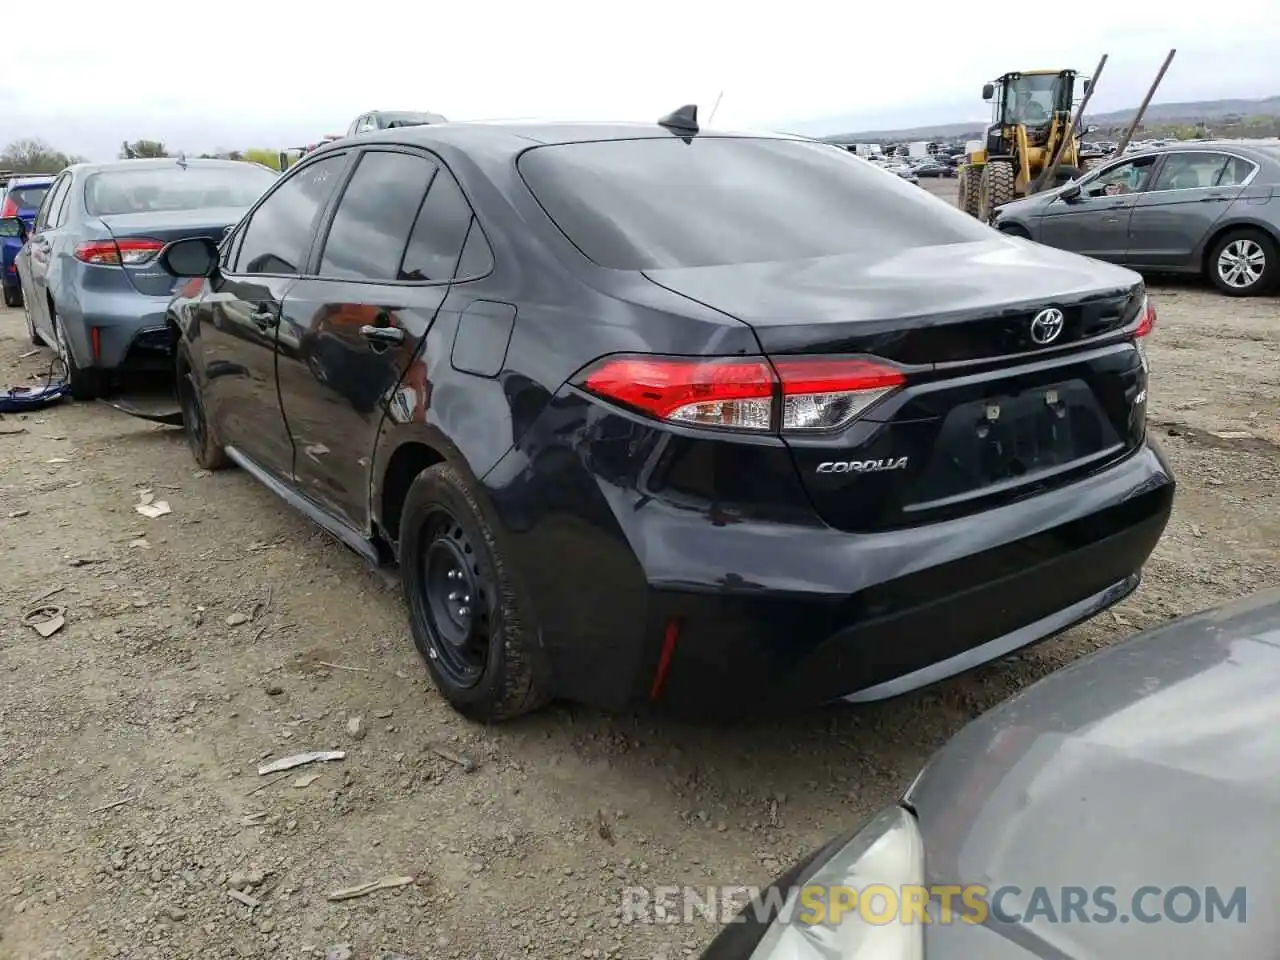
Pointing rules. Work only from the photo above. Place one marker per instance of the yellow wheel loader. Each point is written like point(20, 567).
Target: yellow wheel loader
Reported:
point(1031, 115)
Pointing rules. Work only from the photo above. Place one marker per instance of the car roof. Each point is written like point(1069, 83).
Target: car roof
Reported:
point(143, 163)
point(1267, 148)
point(514, 136)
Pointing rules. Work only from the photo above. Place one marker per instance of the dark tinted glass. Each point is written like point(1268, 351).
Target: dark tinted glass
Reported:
point(371, 226)
point(279, 235)
point(477, 257)
point(438, 235)
point(653, 203)
point(149, 188)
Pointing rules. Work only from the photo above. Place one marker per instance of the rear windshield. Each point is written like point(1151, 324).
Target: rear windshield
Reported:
point(149, 189)
point(29, 198)
point(659, 203)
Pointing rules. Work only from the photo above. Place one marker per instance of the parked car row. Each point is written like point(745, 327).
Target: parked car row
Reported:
point(1205, 208)
point(91, 285)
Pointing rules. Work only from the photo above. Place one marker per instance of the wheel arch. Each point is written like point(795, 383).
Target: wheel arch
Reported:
point(402, 455)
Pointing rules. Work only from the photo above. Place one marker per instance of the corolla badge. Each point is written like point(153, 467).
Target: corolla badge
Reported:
point(863, 466)
point(1046, 325)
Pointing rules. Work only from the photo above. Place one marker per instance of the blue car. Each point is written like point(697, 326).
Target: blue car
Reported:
point(92, 288)
point(21, 197)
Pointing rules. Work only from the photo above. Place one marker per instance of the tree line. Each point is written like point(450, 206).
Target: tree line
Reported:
point(37, 156)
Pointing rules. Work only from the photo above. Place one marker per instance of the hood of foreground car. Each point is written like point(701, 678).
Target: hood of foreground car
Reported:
point(1155, 763)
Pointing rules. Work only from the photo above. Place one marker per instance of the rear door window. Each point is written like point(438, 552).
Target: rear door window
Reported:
point(435, 246)
point(1190, 171)
point(279, 234)
point(664, 202)
point(371, 227)
point(1235, 173)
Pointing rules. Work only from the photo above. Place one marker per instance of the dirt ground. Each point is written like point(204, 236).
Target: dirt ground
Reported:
point(202, 643)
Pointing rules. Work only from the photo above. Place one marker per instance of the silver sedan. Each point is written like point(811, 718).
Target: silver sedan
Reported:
point(1210, 208)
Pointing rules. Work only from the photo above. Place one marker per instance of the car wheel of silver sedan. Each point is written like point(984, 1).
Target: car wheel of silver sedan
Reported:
point(1244, 263)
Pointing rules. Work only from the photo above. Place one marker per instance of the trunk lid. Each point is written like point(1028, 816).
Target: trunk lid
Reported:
point(166, 226)
point(988, 414)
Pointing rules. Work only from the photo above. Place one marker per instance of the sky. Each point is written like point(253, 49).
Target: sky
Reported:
point(240, 74)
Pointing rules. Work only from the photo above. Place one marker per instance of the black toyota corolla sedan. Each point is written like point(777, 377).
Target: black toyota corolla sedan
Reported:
point(647, 413)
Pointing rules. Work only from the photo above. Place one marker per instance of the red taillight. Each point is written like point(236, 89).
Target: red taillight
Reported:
point(1146, 319)
point(10, 208)
point(114, 253)
point(744, 393)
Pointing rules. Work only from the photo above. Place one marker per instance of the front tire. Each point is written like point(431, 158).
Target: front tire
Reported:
point(469, 620)
point(13, 296)
point(202, 434)
point(998, 187)
point(32, 333)
point(1244, 263)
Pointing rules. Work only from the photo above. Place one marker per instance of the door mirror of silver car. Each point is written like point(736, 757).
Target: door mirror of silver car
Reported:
point(192, 257)
point(1071, 193)
point(13, 227)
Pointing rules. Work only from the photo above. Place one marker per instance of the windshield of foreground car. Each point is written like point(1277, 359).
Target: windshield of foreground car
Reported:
point(151, 189)
point(661, 202)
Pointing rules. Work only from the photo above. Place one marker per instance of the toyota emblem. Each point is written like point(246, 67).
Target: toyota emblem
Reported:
point(1046, 325)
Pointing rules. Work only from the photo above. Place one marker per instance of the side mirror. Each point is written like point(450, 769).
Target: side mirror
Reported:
point(1071, 193)
point(192, 257)
point(988, 91)
point(13, 227)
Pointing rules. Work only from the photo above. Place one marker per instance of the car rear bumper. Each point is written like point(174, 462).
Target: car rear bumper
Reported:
point(673, 610)
point(131, 332)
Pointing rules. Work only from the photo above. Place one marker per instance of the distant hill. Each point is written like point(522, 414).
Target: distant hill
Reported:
point(1222, 117)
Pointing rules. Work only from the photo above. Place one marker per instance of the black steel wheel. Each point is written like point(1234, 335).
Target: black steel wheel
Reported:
point(458, 599)
point(202, 437)
point(467, 616)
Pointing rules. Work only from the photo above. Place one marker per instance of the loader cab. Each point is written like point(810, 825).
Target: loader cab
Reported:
point(1029, 100)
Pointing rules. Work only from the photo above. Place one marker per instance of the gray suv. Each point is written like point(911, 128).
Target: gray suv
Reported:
point(1209, 208)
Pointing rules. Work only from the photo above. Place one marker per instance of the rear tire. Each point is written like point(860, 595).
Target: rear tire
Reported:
point(1065, 174)
point(1244, 263)
point(202, 435)
point(998, 187)
point(13, 296)
point(83, 384)
point(469, 621)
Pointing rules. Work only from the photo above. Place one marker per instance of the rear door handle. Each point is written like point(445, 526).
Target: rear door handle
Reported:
point(264, 318)
point(1213, 199)
point(382, 334)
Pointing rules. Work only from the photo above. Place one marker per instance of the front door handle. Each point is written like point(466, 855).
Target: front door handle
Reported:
point(1213, 199)
point(382, 334)
point(264, 318)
